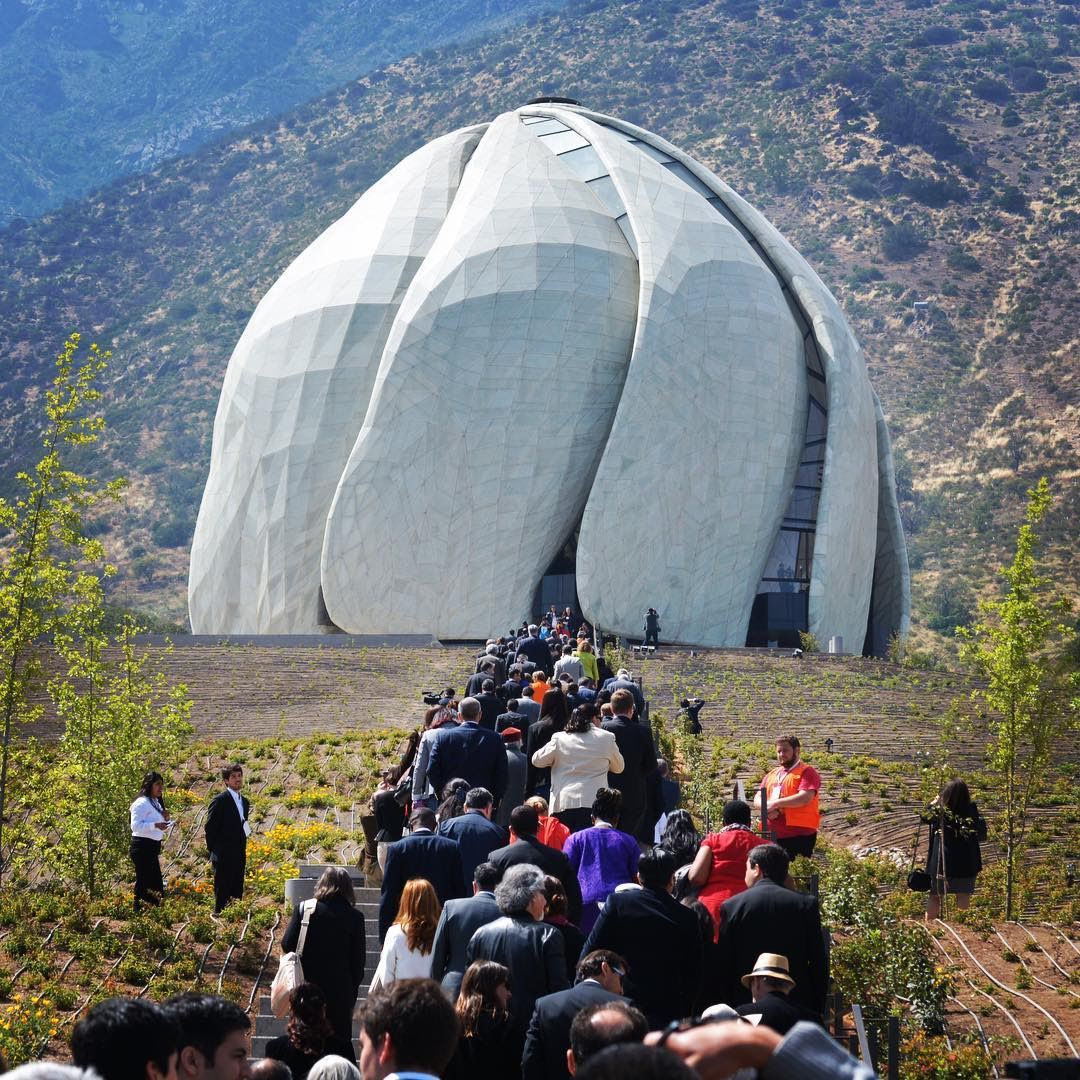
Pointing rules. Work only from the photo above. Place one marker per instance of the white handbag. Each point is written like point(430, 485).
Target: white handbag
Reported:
point(290, 972)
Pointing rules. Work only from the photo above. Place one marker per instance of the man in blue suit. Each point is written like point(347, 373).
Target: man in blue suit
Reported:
point(470, 751)
point(535, 650)
point(476, 834)
point(421, 854)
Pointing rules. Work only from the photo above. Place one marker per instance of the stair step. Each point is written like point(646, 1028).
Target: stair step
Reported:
point(271, 1026)
point(258, 1046)
point(264, 1000)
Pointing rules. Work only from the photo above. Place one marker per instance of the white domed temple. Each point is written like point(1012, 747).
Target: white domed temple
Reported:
point(551, 358)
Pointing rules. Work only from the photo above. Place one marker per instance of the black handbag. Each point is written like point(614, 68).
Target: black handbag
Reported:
point(918, 880)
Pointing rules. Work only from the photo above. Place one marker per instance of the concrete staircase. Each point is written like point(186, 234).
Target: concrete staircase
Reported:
point(267, 1026)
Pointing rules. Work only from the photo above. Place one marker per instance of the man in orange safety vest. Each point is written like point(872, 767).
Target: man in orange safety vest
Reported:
point(792, 793)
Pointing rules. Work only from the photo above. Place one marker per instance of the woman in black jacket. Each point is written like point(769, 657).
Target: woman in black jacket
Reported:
point(335, 949)
point(954, 864)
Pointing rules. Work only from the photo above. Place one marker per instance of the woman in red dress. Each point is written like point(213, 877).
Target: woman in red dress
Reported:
point(719, 869)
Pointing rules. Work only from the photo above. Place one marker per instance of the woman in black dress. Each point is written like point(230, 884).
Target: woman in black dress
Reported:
point(310, 1035)
point(954, 864)
point(487, 1046)
point(335, 949)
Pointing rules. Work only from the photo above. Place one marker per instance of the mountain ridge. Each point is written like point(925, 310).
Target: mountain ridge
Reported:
point(102, 89)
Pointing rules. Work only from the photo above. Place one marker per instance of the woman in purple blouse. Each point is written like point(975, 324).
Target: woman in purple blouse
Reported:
point(602, 856)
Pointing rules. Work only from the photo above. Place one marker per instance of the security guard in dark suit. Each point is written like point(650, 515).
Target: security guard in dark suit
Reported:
point(227, 830)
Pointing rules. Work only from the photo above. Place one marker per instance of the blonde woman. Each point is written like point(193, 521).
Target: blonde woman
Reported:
point(588, 661)
point(406, 952)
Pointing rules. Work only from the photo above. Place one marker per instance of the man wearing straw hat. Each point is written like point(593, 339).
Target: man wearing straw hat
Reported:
point(769, 984)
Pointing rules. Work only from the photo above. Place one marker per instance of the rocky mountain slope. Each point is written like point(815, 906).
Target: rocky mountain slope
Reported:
point(921, 154)
point(101, 88)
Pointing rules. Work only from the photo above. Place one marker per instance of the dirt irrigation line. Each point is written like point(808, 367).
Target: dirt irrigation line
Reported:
point(265, 961)
point(1042, 982)
point(161, 963)
point(228, 955)
point(44, 945)
point(993, 1000)
point(982, 1033)
point(1009, 989)
point(1057, 930)
point(1045, 953)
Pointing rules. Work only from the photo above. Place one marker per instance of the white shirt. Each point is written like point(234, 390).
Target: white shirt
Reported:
point(398, 961)
point(240, 810)
point(145, 814)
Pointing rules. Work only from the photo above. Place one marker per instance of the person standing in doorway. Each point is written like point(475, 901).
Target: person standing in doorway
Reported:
point(792, 791)
point(227, 832)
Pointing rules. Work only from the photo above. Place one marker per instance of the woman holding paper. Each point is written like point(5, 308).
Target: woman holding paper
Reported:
point(149, 820)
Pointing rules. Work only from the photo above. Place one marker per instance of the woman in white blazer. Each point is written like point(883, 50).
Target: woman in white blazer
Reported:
point(580, 758)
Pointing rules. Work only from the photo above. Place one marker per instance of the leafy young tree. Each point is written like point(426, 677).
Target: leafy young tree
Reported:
point(1031, 696)
point(44, 550)
point(119, 720)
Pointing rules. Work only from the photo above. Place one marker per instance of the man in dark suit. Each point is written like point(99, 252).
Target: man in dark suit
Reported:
point(770, 918)
point(625, 681)
point(511, 718)
point(536, 650)
point(514, 685)
point(476, 834)
point(470, 751)
point(599, 980)
point(635, 743)
point(421, 854)
point(490, 704)
point(227, 830)
point(525, 822)
point(769, 984)
point(660, 938)
point(491, 655)
point(476, 682)
point(459, 920)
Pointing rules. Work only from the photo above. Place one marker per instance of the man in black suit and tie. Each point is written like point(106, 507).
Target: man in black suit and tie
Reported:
point(599, 980)
point(421, 854)
point(227, 830)
point(470, 751)
point(770, 918)
point(460, 919)
point(660, 938)
point(525, 822)
point(636, 745)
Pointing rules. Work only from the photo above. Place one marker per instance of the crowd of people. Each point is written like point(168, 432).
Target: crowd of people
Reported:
point(547, 909)
point(536, 866)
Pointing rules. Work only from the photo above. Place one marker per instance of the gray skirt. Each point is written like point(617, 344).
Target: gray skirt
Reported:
point(952, 885)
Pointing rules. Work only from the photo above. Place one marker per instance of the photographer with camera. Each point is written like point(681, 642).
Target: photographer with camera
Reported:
point(442, 714)
point(691, 708)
